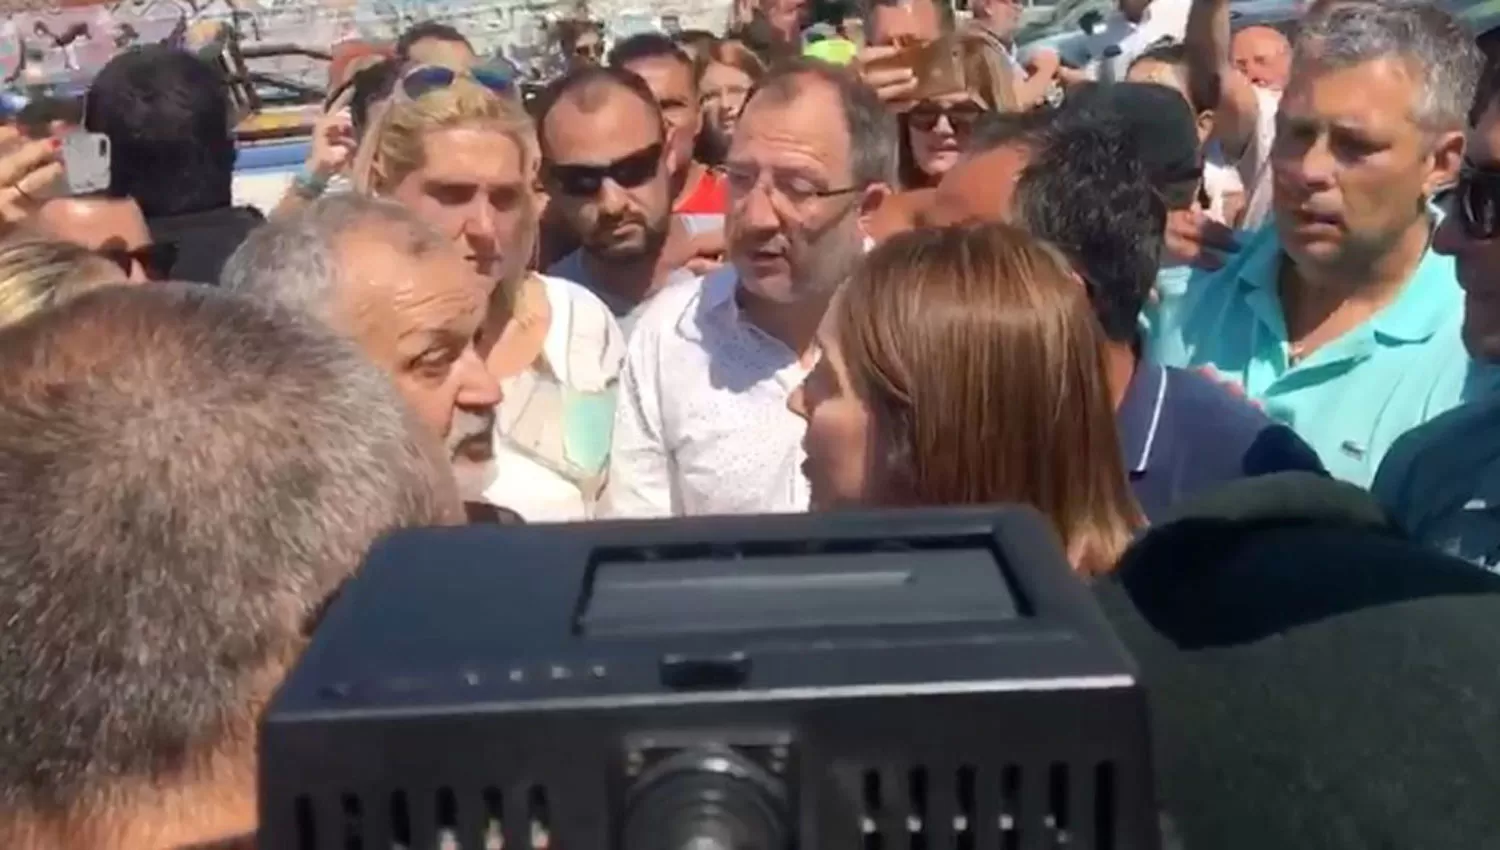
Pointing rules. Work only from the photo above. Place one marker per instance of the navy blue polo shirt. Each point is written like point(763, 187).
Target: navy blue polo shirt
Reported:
point(1181, 433)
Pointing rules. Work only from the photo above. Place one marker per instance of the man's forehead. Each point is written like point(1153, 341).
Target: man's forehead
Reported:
point(810, 120)
point(663, 74)
point(386, 277)
point(620, 123)
point(1346, 90)
point(918, 19)
point(95, 220)
point(89, 208)
point(1259, 37)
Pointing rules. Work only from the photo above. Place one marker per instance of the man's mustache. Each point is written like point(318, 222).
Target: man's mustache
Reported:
point(471, 436)
point(471, 447)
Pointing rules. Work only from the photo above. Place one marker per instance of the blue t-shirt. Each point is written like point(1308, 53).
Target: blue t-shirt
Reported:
point(1181, 434)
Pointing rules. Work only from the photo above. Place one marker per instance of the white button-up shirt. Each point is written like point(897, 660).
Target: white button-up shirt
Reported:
point(702, 425)
point(1164, 21)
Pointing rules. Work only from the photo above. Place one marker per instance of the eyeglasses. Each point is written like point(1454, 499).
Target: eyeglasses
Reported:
point(593, 50)
point(961, 116)
point(155, 260)
point(791, 191)
point(1476, 201)
point(431, 78)
point(628, 172)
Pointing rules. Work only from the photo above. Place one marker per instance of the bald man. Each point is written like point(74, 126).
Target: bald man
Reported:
point(111, 227)
point(1263, 55)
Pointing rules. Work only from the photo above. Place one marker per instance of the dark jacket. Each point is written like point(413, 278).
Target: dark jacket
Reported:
point(1315, 681)
point(204, 239)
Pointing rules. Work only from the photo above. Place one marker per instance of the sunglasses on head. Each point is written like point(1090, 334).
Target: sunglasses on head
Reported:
point(1476, 201)
point(629, 171)
point(431, 78)
point(155, 260)
point(961, 116)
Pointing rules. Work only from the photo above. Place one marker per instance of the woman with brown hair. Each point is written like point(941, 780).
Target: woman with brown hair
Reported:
point(727, 71)
point(965, 366)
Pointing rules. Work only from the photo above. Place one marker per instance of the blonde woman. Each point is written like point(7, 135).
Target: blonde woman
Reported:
point(459, 149)
point(39, 273)
point(965, 366)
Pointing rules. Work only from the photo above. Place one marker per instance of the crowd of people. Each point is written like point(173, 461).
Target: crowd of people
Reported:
point(703, 276)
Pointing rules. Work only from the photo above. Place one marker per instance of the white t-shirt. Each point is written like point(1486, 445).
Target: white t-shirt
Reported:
point(1164, 21)
point(1219, 182)
point(1255, 165)
point(554, 426)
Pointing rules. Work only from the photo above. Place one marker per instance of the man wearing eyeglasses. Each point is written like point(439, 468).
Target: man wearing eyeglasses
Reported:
point(1441, 482)
point(702, 424)
point(606, 166)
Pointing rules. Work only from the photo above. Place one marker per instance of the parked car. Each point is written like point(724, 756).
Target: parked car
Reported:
point(1084, 31)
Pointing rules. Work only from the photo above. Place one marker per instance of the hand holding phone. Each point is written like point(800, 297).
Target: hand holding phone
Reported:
point(889, 70)
point(939, 69)
point(28, 171)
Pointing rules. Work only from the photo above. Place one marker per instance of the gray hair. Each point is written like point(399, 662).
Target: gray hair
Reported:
point(186, 477)
point(872, 129)
point(294, 261)
point(1438, 49)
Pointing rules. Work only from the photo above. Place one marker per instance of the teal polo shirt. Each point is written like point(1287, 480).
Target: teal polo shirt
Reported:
point(1354, 396)
point(1441, 482)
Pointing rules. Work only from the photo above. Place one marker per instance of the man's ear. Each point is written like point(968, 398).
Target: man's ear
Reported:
point(874, 196)
point(670, 159)
point(1205, 127)
point(1447, 160)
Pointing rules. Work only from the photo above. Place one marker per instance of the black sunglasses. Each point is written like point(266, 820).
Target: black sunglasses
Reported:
point(431, 78)
point(961, 116)
point(1476, 201)
point(156, 260)
point(629, 171)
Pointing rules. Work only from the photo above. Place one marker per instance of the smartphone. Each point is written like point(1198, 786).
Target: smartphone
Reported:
point(85, 161)
point(905, 57)
point(939, 68)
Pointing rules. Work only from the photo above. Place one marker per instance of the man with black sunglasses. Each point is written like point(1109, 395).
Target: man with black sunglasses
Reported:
point(606, 169)
point(111, 227)
point(1441, 482)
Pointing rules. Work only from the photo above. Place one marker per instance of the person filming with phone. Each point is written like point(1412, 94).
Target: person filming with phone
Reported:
point(893, 28)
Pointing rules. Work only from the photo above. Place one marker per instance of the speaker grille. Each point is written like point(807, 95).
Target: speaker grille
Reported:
point(487, 818)
point(1008, 807)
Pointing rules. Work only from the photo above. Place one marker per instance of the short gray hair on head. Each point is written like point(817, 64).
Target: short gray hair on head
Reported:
point(294, 261)
point(872, 129)
point(1436, 46)
point(186, 477)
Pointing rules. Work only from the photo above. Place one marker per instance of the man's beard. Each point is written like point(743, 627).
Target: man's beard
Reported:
point(650, 246)
point(471, 448)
